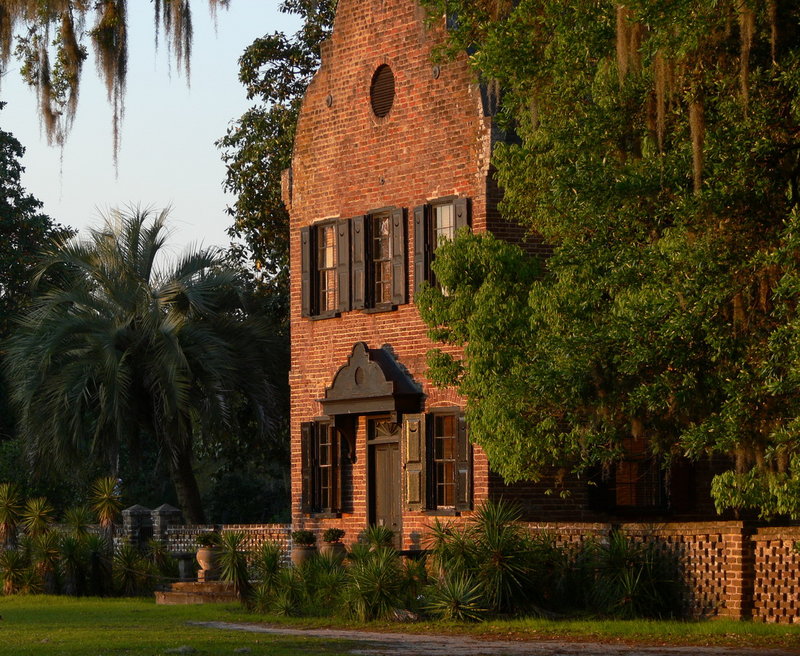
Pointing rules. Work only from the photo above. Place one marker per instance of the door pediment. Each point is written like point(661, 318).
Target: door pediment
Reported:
point(371, 381)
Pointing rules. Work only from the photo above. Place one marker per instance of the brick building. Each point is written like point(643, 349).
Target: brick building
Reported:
point(392, 153)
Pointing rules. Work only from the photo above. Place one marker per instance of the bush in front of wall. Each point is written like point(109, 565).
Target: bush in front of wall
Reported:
point(634, 579)
point(374, 585)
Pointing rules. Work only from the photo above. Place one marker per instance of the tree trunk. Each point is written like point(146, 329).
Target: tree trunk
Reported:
point(186, 486)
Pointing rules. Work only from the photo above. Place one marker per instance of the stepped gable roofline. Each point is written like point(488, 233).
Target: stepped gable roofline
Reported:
point(371, 381)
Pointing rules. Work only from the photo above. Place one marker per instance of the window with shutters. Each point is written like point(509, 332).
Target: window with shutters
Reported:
point(325, 269)
point(378, 260)
point(321, 467)
point(437, 461)
point(381, 259)
point(434, 223)
point(354, 264)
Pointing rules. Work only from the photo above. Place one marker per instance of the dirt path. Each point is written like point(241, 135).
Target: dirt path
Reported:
point(405, 644)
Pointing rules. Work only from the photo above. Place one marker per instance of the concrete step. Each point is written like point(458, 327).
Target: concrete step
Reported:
point(197, 593)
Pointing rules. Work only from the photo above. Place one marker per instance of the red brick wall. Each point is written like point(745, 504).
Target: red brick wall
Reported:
point(435, 142)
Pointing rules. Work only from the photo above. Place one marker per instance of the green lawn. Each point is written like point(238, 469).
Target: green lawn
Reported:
point(44, 626)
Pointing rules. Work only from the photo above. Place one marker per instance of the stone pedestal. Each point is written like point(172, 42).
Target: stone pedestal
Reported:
point(163, 518)
point(137, 525)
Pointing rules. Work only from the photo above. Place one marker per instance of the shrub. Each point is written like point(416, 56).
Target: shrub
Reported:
point(332, 535)
point(303, 537)
point(208, 540)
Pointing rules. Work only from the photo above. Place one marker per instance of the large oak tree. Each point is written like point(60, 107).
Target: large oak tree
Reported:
point(658, 153)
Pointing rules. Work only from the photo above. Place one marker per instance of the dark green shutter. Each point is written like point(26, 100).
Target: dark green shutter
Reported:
point(358, 264)
point(421, 246)
point(305, 272)
point(398, 227)
point(461, 210)
point(343, 263)
point(307, 434)
point(336, 454)
point(463, 467)
point(414, 485)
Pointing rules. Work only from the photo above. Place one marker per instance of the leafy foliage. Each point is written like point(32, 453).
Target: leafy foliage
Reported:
point(658, 157)
point(49, 43)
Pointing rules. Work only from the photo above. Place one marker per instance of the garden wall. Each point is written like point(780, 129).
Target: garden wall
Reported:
point(732, 569)
point(184, 538)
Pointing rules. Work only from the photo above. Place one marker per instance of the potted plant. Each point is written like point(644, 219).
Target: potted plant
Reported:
point(303, 546)
point(331, 542)
point(207, 556)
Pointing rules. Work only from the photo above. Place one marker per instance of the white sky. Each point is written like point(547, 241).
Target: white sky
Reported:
point(168, 155)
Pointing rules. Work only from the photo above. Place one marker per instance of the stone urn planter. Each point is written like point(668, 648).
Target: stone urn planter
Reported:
point(208, 557)
point(303, 547)
point(331, 543)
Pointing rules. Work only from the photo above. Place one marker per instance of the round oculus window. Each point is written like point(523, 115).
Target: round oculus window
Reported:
point(381, 91)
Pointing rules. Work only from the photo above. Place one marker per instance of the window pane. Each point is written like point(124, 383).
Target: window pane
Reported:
point(381, 259)
point(444, 222)
point(444, 452)
point(326, 267)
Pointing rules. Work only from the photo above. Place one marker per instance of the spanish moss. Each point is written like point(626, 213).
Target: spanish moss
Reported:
point(48, 39)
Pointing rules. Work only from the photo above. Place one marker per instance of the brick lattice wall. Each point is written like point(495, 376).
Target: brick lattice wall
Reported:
point(714, 557)
point(776, 588)
point(184, 538)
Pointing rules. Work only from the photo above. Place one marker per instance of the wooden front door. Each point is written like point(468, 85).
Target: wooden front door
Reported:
point(384, 475)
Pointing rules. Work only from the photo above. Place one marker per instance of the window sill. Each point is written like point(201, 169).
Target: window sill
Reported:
point(380, 308)
point(442, 512)
point(325, 315)
point(324, 515)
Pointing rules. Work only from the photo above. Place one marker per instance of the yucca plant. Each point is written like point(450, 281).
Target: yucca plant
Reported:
point(415, 578)
point(37, 515)
point(132, 574)
point(456, 598)
point(106, 502)
point(74, 564)
point(453, 548)
point(322, 579)
point(377, 536)
point(503, 554)
point(45, 555)
point(10, 509)
point(159, 556)
point(635, 579)
point(15, 569)
point(268, 561)
point(373, 587)
point(78, 520)
point(233, 562)
point(99, 575)
point(358, 551)
point(288, 597)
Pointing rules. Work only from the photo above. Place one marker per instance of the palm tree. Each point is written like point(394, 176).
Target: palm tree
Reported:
point(118, 351)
